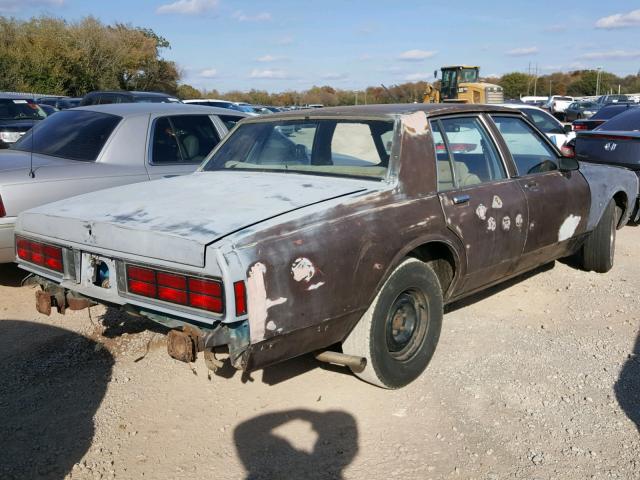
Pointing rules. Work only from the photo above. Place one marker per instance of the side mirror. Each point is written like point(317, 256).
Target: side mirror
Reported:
point(567, 164)
point(568, 128)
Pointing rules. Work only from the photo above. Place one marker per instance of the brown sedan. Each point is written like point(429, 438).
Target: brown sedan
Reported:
point(340, 231)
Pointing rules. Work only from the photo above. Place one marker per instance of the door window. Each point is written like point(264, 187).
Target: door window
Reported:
point(230, 120)
point(183, 139)
point(530, 152)
point(465, 153)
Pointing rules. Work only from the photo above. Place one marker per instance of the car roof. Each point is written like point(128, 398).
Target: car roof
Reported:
point(15, 96)
point(191, 100)
point(133, 92)
point(384, 110)
point(520, 106)
point(132, 109)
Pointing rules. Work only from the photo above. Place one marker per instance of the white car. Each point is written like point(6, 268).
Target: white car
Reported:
point(557, 104)
point(548, 124)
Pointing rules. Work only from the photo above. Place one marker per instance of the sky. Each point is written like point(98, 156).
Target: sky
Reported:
point(295, 44)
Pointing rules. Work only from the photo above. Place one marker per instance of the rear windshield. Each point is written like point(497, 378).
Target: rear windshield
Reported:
point(72, 134)
point(609, 111)
point(19, 109)
point(626, 121)
point(359, 148)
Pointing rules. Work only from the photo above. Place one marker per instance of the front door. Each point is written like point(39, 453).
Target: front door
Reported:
point(558, 202)
point(482, 205)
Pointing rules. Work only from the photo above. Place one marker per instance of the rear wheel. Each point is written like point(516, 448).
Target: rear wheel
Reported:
point(599, 249)
point(399, 332)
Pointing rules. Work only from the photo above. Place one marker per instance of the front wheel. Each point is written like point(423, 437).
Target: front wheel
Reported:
point(399, 332)
point(599, 248)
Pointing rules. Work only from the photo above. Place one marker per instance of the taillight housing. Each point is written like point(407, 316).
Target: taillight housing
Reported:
point(41, 254)
point(579, 126)
point(189, 291)
point(3, 212)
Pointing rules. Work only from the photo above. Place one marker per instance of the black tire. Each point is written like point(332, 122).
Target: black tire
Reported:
point(599, 248)
point(399, 332)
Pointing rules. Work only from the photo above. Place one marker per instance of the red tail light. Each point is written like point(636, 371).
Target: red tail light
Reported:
point(42, 254)
point(240, 293)
point(3, 212)
point(579, 126)
point(200, 293)
point(567, 151)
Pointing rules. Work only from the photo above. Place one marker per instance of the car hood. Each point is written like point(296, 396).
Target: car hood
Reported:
point(175, 219)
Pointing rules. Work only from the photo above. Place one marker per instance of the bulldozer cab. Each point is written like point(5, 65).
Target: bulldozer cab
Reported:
point(454, 76)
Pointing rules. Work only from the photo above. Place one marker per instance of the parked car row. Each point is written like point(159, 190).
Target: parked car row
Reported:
point(303, 231)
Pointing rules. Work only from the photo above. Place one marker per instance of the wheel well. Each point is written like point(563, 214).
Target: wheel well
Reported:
point(621, 201)
point(441, 259)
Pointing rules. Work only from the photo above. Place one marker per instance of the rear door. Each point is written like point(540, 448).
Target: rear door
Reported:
point(558, 202)
point(179, 143)
point(483, 206)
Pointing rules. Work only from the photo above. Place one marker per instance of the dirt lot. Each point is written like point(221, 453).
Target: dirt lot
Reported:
point(538, 379)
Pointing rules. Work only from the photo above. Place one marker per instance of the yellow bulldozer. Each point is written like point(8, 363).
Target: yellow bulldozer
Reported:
point(460, 84)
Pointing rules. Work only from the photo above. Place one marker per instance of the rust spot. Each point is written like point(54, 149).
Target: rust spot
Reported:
point(43, 302)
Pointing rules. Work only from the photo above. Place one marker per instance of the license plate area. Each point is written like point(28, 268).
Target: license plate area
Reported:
point(98, 272)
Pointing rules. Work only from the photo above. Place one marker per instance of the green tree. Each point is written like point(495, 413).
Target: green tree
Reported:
point(515, 84)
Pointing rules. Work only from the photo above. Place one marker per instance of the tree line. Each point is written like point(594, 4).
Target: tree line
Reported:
point(55, 57)
point(52, 56)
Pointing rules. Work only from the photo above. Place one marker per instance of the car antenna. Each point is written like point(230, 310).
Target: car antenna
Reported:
point(32, 173)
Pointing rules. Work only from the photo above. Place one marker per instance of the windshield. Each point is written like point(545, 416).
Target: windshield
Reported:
point(358, 148)
point(468, 75)
point(72, 134)
point(19, 109)
point(545, 122)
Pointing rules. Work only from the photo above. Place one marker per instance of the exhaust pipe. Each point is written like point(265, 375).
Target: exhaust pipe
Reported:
point(356, 364)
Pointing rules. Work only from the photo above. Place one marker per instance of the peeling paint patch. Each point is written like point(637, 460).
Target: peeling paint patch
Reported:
point(519, 220)
point(271, 325)
point(506, 223)
point(302, 269)
point(491, 224)
point(257, 301)
point(377, 266)
point(497, 202)
point(315, 286)
point(481, 212)
point(416, 123)
point(532, 225)
point(568, 227)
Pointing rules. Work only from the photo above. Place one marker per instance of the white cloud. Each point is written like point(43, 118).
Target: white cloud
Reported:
point(420, 76)
point(268, 74)
point(258, 17)
point(188, 7)
point(15, 6)
point(611, 55)
point(286, 40)
point(334, 76)
point(268, 58)
point(416, 55)
point(620, 20)
point(209, 73)
point(521, 52)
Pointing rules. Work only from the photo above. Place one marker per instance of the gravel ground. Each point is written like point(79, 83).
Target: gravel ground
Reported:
point(536, 379)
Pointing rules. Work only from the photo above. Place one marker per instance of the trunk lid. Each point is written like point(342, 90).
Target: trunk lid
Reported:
point(609, 147)
point(175, 219)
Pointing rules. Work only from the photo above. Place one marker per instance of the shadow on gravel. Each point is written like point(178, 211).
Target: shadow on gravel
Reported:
point(266, 454)
point(477, 297)
point(627, 387)
point(51, 384)
point(11, 275)
point(116, 323)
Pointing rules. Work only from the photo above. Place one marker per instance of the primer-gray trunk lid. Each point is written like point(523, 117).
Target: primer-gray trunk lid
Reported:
point(174, 219)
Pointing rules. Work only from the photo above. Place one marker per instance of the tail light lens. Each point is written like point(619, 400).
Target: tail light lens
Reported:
point(200, 293)
point(240, 293)
point(41, 254)
point(568, 151)
point(579, 126)
point(3, 212)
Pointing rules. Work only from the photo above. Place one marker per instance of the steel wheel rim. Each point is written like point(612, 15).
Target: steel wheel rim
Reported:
point(406, 324)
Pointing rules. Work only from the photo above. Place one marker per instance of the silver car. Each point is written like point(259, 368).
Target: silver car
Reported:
point(91, 148)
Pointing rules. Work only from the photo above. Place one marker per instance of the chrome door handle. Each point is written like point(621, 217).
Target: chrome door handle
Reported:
point(460, 199)
point(531, 184)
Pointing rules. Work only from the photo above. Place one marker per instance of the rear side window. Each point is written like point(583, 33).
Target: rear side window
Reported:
point(529, 151)
point(183, 139)
point(230, 120)
point(627, 121)
point(465, 153)
point(73, 134)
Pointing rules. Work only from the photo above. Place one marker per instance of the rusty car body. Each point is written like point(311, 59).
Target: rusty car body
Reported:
point(325, 244)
